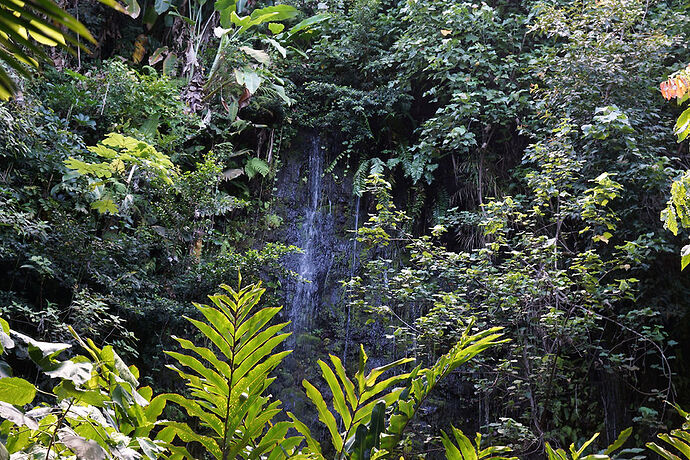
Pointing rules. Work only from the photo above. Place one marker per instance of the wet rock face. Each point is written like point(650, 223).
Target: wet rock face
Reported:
point(317, 212)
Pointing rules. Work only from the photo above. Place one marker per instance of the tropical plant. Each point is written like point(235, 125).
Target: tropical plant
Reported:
point(678, 439)
point(372, 415)
point(422, 381)
point(676, 214)
point(96, 411)
point(42, 21)
point(465, 450)
point(122, 157)
point(238, 65)
point(361, 405)
point(428, 298)
point(677, 209)
point(227, 382)
point(678, 86)
point(579, 454)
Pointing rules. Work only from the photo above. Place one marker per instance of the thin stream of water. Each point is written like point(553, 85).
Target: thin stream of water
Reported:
point(304, 302)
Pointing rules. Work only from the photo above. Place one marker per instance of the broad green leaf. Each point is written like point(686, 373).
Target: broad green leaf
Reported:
point(348, 386)
point(6, 342)
point(211, 376)
point(278, 47)
point(577, 453)
point(170, 65)
point(161, 6)
point(276, 28)
point(105, 205)
point(186, 434)
point(377, 371)
point(622, 437)
point(16, 391)
point(84, 448)
point(555, 454)
point(684, 256)
point(79, 373)
point(130, 7)
point(42, 353)
point(452, 451)
point(677, 443)
point(278, 12)
point(682, 127)
point(338, 395)
point(158, 55)
point(359, 375)
point(252, 81)
point(312, 444)
point(324, 414)
point(259, 56)
point(66, 389)
point(47, 36)
point(662, 452)
point(305, 25)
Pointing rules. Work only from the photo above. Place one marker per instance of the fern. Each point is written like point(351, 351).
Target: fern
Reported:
point(360, 176)
point(227, 392)
point(256, 166)
point(423, 381)
point(679, 439)
point(360, 405)
point(331, 167)
point(372, 166)
point(465, 450)
point(578, 454)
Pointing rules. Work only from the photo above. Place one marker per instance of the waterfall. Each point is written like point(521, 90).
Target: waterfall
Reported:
point(352, 274)
point(305, 299)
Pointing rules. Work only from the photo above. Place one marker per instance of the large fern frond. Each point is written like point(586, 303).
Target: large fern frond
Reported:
point(678, 439)
point(227, 381)
point(605, 454)
point(359, 406)
point(423, 381)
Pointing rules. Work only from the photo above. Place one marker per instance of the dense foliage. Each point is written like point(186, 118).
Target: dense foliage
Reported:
point(494, 166)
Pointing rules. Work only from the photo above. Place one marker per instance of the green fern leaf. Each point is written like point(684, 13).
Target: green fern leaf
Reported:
point(369, 399)
point(256, 166)
point(423, 381)
point(463, 449)
point(227, 382)
point(325, 415)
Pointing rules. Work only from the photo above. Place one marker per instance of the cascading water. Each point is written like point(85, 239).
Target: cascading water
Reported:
point(305, 299)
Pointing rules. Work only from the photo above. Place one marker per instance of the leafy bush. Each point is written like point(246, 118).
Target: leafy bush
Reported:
point(98, 409)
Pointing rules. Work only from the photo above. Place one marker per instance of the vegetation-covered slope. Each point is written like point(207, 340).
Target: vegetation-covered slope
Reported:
point(504, 165)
